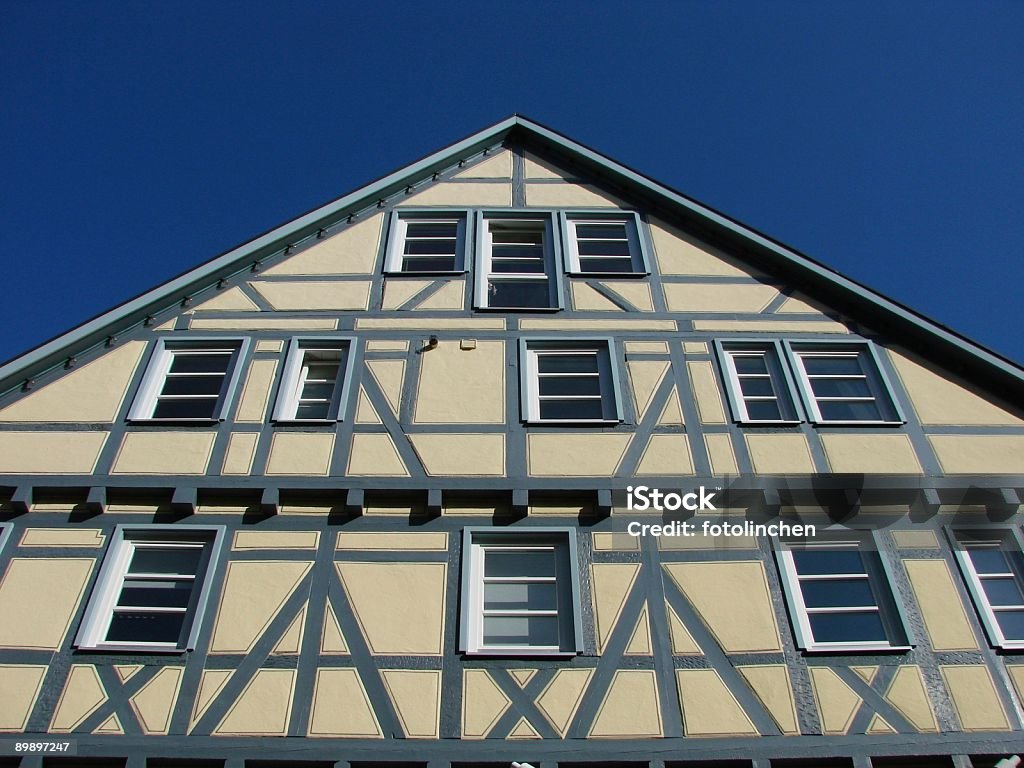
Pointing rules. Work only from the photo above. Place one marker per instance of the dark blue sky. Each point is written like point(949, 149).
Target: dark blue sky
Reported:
point(140, 139)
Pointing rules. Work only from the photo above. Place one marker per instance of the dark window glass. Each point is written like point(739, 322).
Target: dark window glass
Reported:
point(142, 626)
point(847, 627)
point(814, 562)
point(519, 294)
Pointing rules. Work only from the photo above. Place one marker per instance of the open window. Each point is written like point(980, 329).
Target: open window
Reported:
point(517, 254)
point(314, 382)
point(993, 569)
point(520, 592)
point(757, 382)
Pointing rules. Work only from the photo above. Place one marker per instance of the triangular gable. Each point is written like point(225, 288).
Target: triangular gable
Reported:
point(548, 153)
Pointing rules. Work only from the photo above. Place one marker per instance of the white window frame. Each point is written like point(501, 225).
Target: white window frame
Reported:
point(778, 372)
point(148, 394)
point(1006, 540)
point(394, 259)
point(109, 583)
point(634, 235)
point(292, 379)
point(474, 544)
point(879, 578)
point(551, 256)
point(604, 349)
point(874, 374)
point(6, 529)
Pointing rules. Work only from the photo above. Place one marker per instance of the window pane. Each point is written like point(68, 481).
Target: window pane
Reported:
point(523, 596)
point(447, 229)
point(184, 560)
point(192, 385)
point(202, 408)
point(569, 385)
point(837, 593)
point(322, 371)
point(434, 264)
point(601, 231)
point(571, 409)
point(841, 388)
point(318, 411)
point(750, 364)
point(606, 265)
point(131, 626)
point(763, 410)
point(521, 630)
point(521, 234)
point(816, 562)
point(1012, 624)
point(183, 362)
point(584, 362)
point(156, 594)
point(518, 266)
point(519, 294)
point(429, 247)
point(832, 366)
point(757, 387)
point(1002, 591)
point(603, 248)
point(989, 560)
point(847, 627)
point(509, 562)
point(317, 391)
point(840, 411)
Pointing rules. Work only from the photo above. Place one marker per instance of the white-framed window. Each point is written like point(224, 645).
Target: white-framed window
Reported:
point(759, 388)
point(520, 592)
point(189, 381)
point(843, 383)
point(152, 590)
point(314, 382)
point(427, 242)
point(569, 381)
point(603, 243)
point(516, 261)
point(993, 570)
point(840, 595)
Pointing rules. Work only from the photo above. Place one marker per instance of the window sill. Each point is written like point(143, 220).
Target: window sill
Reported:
point(129, 648)
point(175, 422)
point(428, 273)
point(606, 275)
point(749, 423)
point(572, 422)
point(857, 423)
point(517, 652)
point(857, 648)
point(305, 422)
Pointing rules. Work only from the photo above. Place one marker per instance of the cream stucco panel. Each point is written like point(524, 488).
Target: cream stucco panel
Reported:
point(374, 455)
point(587, 299)
point(416, 694)
point(695, 347)
point(300, 453)
point(560, 700)
point(523, 730)
point(871, 454)
point(50, 453)
point(640, 641)
point(945, 618)
point(837, 702)
point(93, 392)
point(390, 376)
point(397, 291)
point(264, 707)
point(54, 582)
point(267, 322)
point(231, 300)
point(677, 253)
point(240, 453)
point(164, 453)
point(399, 606)
point(523, 676)
point(483, 703)
point(254, 592)
point(365, 412)
point(672, 413)
point(436, 541)
point(497, 166)
point(706, 392)
point(631, 709)
point(449, 296)
point(980, 454)
point(83, 694)
point(555, 195)
point(465, 455)
point(644, 378)
point(637, 293)
point(464, 194)
point(798, 304)
point(666, 455)
point(112, 725)
point(709, 707)
point(778, 454)
point(624, 324)
point(462, 386)
point(249, 540)
point(353, 251)
point(974, 697)
point(587, 455)
point(908, 694)
point(291, 640)
point(332, 641)
point(269, 345)
point(420, 323)
point(610, 585)
point(154, 703)
point(341, 707)
point(300, 295)
point(20, 684)
point(712, 297)
point(773, 688)
point(535, 168)
point(915, 539)
point(252, 405)
point(721, 454)
point(683, 643)
point(382, 345)
point(770, 326)
point(734, 602)
point(211, 683)
point(646, 347)
point(62, 537)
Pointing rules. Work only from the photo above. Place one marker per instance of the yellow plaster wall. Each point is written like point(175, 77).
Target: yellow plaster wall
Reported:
point(455, 194)
point(871, 454)
point(945, 618)
point(483, 703)
point(469, 454)
point(420, 323)
point(320, 295)
point(773, 688)
point(496, 166)
point(587, 299)
point(253, 594)
point(644, 378)
point(631, 708)
point(20, 684)
point(645, 347)
point(93, 392)
point(82, 695)
point(610, 585)
point(779, 454)
point(979, 454)
point(837, 702)
point(62, 537)
point(770, 326)
point(733, 600)
point(536, 168)
point(232, 300)
point(705, 389)
point(721, 454)
point(974, 697)
point(154, 703)
point(680, 254)
point(940, 398)
point(915, 539)
point(266, 322)
point(908, 694)
point(211, 682)
point(390, 376)
point(567, 324)
point(712, 297)
point(399, 606)
point(416, 695)
point(300, 453)
point(352, 251)
point(50, 453)
point(555, 195)
point(263, 708)
point(436, 541)
point(667, 454)
point(461, 386)
point(54, 582)
point(252, 404)
point(374, 455)
point(637, 293)
point(381, 345)
point(164, 453)
point(709, 707)
point(450, 296)
point(240, 452)
point(561, 698)
point(341, 708)
point(249, 540)
point(589, 454)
